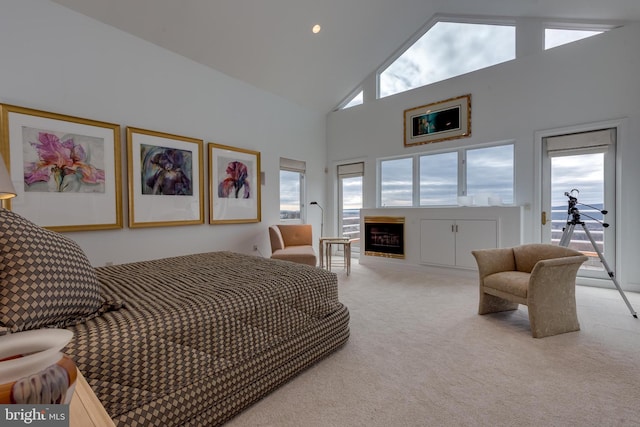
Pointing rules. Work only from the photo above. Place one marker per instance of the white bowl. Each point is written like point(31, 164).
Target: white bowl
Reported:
point(465, 200)
point(33, 370)
point(495, 201)
point(481, 199)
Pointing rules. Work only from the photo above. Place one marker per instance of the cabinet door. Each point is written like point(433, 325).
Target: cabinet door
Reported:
point(437, 242)
point(472, 235)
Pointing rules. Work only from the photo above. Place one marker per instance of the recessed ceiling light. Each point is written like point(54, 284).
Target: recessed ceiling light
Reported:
point(316, 29)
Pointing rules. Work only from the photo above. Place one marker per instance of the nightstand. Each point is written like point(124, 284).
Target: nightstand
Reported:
point(85, 409)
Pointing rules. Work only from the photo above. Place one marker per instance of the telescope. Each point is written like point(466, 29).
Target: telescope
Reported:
point(573, 219)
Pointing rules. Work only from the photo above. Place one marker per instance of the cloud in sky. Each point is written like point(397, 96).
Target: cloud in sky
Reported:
point(396, 180)
point(491, 171)
point(352, 193)
point(583, 172)
point(448, 49)
point(439, 179)
point(289, 191)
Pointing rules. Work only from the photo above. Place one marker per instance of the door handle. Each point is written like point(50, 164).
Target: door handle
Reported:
point(544, 218)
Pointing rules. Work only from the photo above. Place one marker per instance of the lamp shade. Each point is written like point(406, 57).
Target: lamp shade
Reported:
point(7, 191)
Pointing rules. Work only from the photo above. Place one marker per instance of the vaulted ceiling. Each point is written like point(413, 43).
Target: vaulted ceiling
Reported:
point(269, 43)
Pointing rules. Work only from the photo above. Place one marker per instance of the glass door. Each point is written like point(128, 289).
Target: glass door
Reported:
point(350, 179)
point(579, 184)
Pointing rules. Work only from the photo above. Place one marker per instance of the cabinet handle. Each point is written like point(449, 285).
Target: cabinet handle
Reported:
point(544, 218)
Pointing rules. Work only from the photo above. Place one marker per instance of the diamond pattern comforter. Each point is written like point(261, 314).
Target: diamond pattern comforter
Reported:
point(193, 340)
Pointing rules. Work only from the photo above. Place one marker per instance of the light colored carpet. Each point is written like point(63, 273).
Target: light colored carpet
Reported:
point(419, 355)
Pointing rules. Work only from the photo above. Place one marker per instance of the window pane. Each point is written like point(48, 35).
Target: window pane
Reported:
point(556, 37)
point(490, 172)
point(352, 193)
point(289, 195)
point(567, 174)
point(447, 50)
point(356, 100)
point(439, 179)
point(351, 205)
point(396, 182)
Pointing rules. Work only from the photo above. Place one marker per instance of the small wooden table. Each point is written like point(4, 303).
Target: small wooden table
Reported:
point(325, 251)
point(85, 409)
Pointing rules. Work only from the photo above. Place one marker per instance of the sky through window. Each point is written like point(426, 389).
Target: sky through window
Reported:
point(447, 50)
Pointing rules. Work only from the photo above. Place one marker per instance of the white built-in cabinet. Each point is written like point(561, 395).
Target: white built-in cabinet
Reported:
point(444, 237)
point(446, 242)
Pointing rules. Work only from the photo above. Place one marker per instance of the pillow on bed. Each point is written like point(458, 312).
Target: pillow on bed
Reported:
point(45, 278)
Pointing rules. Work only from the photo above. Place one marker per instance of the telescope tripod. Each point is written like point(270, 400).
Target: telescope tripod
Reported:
point(566, 239)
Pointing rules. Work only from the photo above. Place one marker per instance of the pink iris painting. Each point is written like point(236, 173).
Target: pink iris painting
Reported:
point(62, 164)
point(236, 183)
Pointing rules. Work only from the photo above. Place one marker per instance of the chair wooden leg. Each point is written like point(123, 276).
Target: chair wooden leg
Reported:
point(348, 257)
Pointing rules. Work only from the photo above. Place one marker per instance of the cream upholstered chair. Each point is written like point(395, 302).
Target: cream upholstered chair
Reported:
point(540, 276)
point(293, 242)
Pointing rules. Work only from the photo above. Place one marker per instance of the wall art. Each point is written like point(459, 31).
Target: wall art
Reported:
point(165, 174)
point(65, 169)
point(234, 185)
point(439, 121)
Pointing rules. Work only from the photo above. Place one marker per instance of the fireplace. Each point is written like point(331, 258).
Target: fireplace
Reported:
point(384, 236)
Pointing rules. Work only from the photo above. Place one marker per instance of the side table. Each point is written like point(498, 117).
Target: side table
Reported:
point(85, 409)
point(326, 244)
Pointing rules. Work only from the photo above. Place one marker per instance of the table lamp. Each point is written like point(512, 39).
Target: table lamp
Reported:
point(7, 191)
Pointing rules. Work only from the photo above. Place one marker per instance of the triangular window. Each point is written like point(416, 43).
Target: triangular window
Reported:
point(356, 100)
point(446, 50)
point(556, 37)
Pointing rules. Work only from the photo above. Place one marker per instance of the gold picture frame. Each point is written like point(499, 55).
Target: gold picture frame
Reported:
point(166, 179)
point(438, 121)
point(234, 185)
point(66, 169)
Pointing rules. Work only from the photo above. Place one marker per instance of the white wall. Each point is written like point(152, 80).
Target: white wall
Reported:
point(592, 80)
point(57, 60)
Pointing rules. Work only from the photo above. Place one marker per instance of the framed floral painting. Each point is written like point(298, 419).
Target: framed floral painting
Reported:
point(165, 179)
point(234, 185)
point(66, 170)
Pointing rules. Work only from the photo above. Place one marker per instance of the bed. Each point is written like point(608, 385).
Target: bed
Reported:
point(182, 341)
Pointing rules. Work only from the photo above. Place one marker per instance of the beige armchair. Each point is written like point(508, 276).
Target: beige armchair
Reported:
point(293, 242)
point(540, 276)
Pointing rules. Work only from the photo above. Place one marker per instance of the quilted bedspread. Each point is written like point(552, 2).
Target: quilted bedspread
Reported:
point(193, 340)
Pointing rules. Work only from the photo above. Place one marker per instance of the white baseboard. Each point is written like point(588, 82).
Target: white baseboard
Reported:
point(400, 265)
point(462, 272)
point(607, 284)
